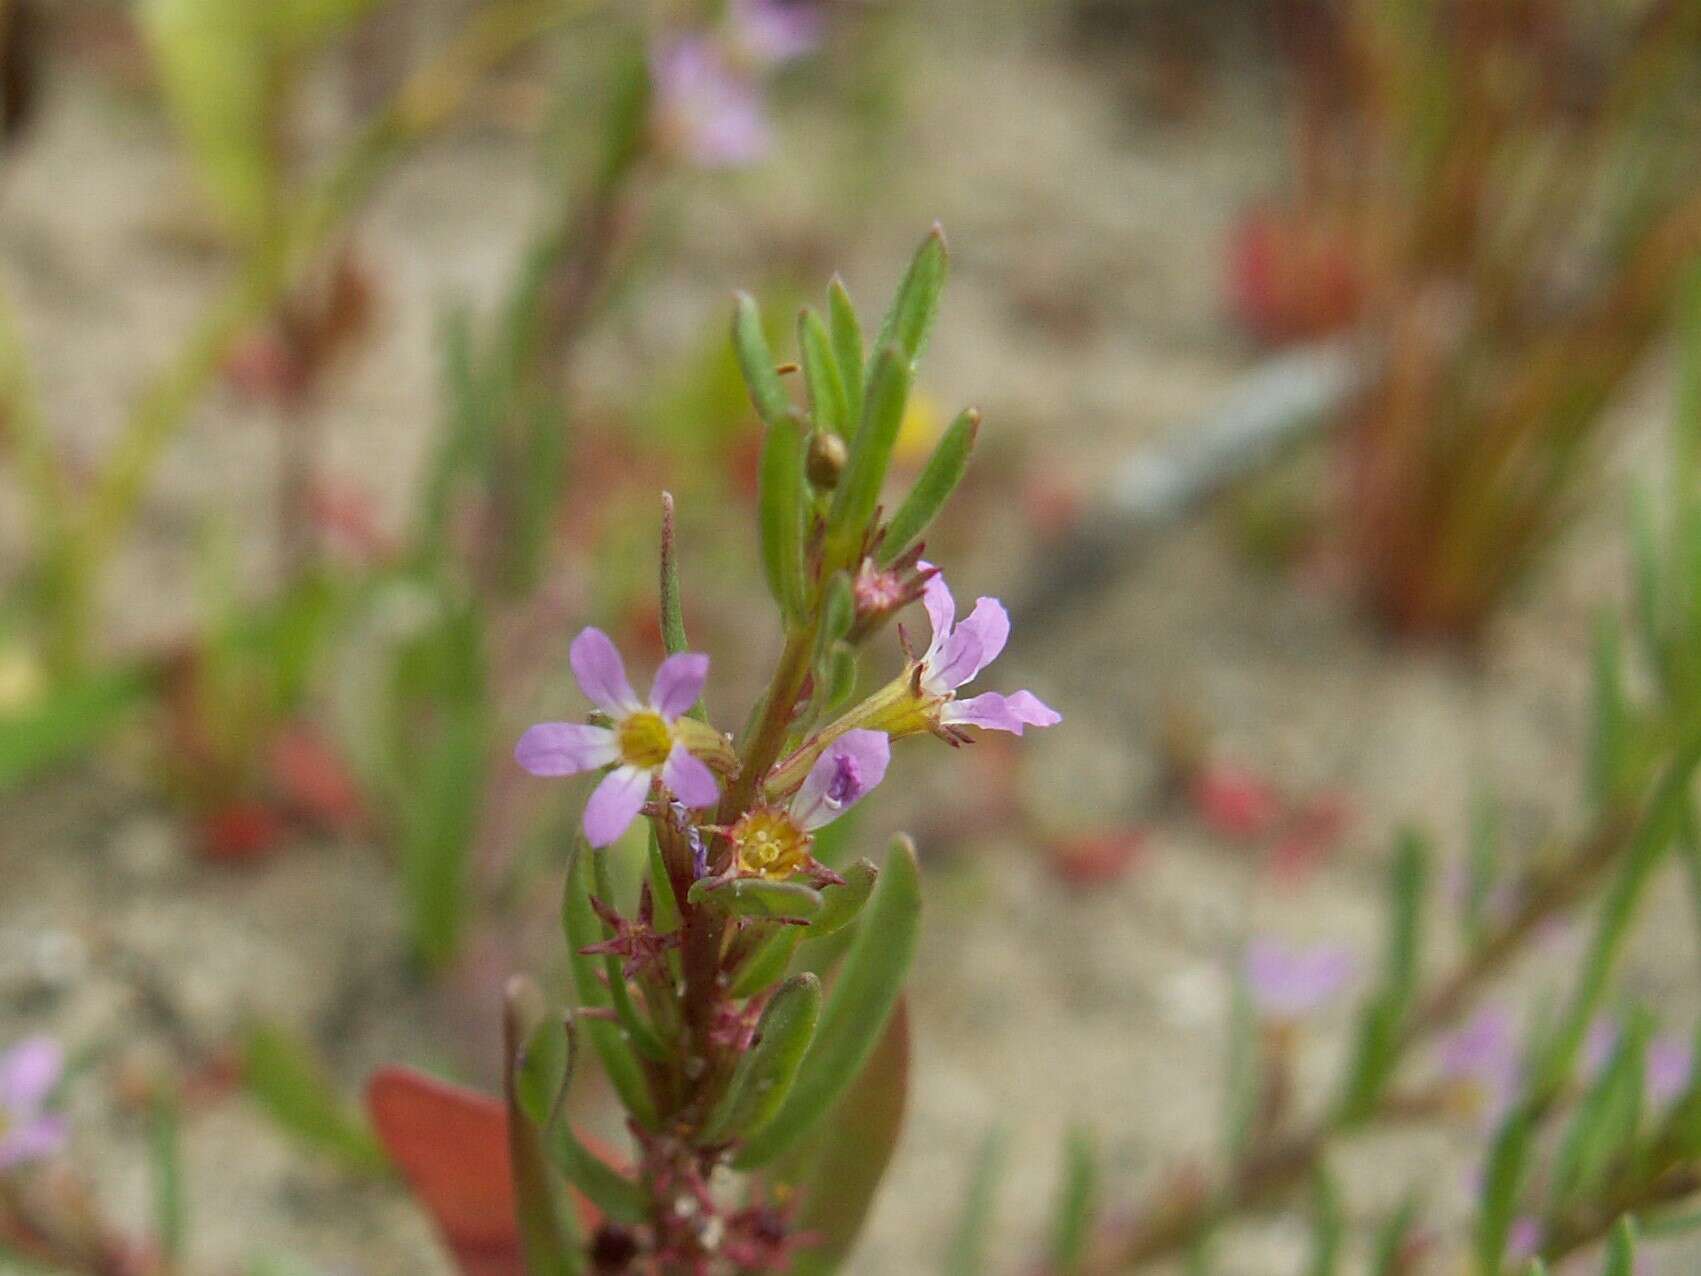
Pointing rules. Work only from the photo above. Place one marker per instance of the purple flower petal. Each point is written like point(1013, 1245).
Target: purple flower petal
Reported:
point(28, 1073)
point(33, 1141)
point(1669, 1063)
point(844, 773)
point(976, 642)
point(1001, 713)
point(602, 673)
point(773, 31)
point(565, 748)
point(1523, 1239)
point(615, 804)
point(1287, 983)
point(691, 781)
point(678, 683)
point(941, 611)
point(705, 108)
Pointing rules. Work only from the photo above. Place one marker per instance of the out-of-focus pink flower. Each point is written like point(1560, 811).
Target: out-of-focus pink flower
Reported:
point(646, 741)
point(29, 1073)
point(1670, 1062)
point(1484, 1054)
point(706, 109)
point(1289, 983)
point(773, 31)
point(1523, 1239)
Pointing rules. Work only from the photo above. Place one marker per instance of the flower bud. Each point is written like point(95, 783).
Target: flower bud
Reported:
point(827, 457)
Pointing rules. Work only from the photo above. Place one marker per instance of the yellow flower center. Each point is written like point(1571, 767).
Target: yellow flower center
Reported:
point(644, 739)
point(769, 843)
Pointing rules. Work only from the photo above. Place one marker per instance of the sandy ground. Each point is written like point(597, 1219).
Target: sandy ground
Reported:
point(1083, 316)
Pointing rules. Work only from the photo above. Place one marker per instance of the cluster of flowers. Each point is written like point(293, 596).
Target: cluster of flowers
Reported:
point(652, 744)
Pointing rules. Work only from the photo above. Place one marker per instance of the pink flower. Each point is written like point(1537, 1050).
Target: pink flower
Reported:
point(705, 108)
point(958, 652)
point(29, 1073)
point(1670, 1061)
point(774, 31)
point(1289, 983)
point(1484, 1054)
point(648, 740)
point(775, 841)
point(1523, 1239)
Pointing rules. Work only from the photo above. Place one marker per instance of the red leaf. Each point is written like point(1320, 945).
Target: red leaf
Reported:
point(1235, 803)
point(451, 1145)
point(1096, 858)
point(314, 780)
point(241, 830)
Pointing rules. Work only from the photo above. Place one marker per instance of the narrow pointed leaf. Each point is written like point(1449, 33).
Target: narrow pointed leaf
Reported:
point(841, 905)
point(966, 1254)
point(756, 361)
point(609, 1040)
point(853, 1150)
point(764, 1075)
point(781, 504)
point(1621, 1249)
point(1328, 1227)
point(829, 407)
point(846, 333)
point(910, 319)
point(672, 608)
point(547, 1232)
point(857, 1008)
point(1077, 1204)
point(1389, 1257)
point(543, 1067)
point(1502, 1182)
point(617, 1196)
point(666, 917)
point(937, 481)
point(283, 1074)
point(871, 452)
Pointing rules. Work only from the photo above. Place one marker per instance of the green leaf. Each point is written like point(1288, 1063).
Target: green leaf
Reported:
point(1621, 1249)
point(757, 897)
point(1328, 1226)
point(582, 928)
point(858, 493)
point(938, 480)
point(857, 1008)
point(1502, 1182)
point(1608, 744)
point(672, 609)
point(966, 1254)
point(1389, 1256)
point(548, 1235)
point(1077, 1203)
point(664, 904)
point(756, 361)
point(72, 718)
point(638, 1030)
point(165, 1158)
point(781, 510)
point(1407, 882)
point(829, 405)
point(610, 1191)
point(916, 305)
point(846, 334)
point(841, 905)
point(768, 960)
point(765, 1073)
point(543, 1068)
point(1660, 823)
point(1605, 1123)
point(1244, 1076)
point(282, 1074)
point(838, 613)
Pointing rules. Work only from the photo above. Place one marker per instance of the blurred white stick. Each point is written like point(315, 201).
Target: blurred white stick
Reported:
point(1277, 404)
